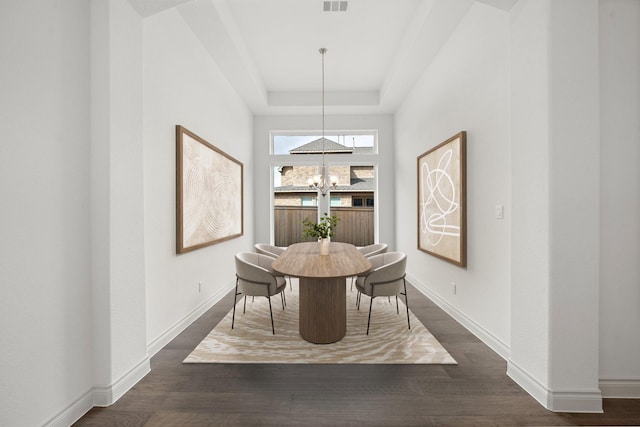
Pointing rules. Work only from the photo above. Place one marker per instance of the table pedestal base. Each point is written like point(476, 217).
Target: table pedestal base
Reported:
point(323, 309)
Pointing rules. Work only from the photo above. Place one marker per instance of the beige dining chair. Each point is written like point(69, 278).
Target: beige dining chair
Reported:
point(386, 278)
point(369, 251)
point(375, 249)
point(256, 277)
point(272, 251)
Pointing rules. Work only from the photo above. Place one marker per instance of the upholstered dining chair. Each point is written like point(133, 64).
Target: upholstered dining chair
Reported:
point(272, 251)
point(386, 278)
point(375, 249)
point(371, 250)
point(256, 277)
point(266, 249)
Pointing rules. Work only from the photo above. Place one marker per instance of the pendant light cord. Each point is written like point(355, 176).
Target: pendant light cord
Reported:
point(323, 51)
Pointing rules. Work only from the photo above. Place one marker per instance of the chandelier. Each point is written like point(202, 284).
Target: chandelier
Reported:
point(323, 182)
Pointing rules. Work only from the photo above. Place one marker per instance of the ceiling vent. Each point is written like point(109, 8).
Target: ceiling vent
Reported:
point(334, 6)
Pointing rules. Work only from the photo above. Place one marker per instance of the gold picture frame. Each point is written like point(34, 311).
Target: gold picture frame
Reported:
point(442, 216)
point(209, 193)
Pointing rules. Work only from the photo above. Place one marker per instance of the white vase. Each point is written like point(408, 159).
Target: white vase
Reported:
point(324, 246)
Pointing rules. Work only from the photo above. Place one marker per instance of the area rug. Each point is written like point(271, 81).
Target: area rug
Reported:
point(389, 340)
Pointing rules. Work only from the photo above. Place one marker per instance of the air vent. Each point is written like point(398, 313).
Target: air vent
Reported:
point(334, 6)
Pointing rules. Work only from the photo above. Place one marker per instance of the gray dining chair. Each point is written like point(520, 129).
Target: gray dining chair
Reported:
point(369, 251)
point(272, 251)
point(386, 278)
point(256, 277)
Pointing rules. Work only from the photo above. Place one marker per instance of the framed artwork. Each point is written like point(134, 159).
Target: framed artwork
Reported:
point(442, 230)
point(209, 193)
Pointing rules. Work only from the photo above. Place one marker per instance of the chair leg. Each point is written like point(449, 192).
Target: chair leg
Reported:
point(244, 310)
point(369, 321)
point(283, 298)
point(397, 309)
point(235, 296)
point(358, 297)
point(406, 302)
point(271, 312)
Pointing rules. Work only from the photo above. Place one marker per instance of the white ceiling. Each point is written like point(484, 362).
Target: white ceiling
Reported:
point(268, 49)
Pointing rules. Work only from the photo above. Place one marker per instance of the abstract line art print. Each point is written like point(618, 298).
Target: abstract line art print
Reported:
point(209, 193)
point(442, 200)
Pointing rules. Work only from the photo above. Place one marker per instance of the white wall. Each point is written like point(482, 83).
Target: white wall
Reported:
point(182, 85)
point(552, 102)
point(73, 269)
point(383, 160)
point(117, 208)
point(555, 151)
point(573, 176)
point(465, 88)
point(45, 279)
point(530, 183)
point(620, 197)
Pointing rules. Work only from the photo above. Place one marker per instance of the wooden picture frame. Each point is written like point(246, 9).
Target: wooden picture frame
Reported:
point(442, 216)
point(209, 193)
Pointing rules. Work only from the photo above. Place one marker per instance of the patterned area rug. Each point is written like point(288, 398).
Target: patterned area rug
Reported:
point(389, 339)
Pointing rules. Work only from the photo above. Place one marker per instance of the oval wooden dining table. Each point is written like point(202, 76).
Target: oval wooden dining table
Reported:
point(323, 290)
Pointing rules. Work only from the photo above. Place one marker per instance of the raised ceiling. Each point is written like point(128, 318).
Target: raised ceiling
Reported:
point(268, 49)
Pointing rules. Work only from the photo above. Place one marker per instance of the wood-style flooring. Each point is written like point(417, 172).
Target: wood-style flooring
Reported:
point(476, 392)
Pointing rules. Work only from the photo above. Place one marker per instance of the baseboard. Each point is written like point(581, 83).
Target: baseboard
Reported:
point(157, 344)
point(585, 401)
point(105, 396)
point(589, 401)
point(485, 336)
point(73, 412)
point(100, 396)
point(571, 401)
point(620, 389)
point(528, 383)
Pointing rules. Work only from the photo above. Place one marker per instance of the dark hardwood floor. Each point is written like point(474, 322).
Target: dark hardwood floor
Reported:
point(476, 392)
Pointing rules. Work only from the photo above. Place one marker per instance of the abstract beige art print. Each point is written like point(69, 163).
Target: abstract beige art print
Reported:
point(441, 200)
point(209, 193)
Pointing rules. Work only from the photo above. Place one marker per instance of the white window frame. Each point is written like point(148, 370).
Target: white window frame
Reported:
point(364, 159)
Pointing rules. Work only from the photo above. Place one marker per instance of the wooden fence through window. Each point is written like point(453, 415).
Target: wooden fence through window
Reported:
point(356, 224)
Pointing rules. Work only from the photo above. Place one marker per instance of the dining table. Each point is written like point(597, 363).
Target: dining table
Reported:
point(322, 286)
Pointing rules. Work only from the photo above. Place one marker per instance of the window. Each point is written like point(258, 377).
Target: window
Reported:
point(360, 142)
point(359, 201)
point(295, 157)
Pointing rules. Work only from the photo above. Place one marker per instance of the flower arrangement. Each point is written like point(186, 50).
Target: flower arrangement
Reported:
point(322, 229)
